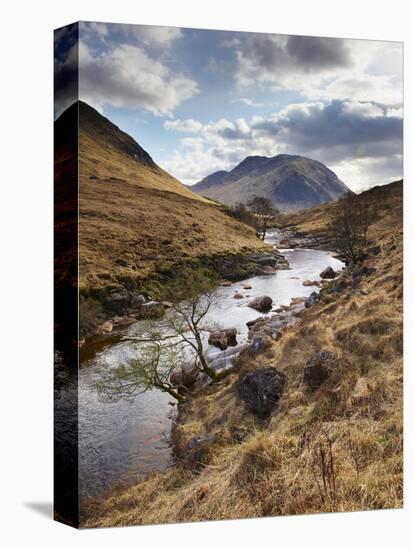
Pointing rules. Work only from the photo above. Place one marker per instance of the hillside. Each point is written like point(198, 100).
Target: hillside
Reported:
point(136, 220)
point(290, 181)
point(336, 448)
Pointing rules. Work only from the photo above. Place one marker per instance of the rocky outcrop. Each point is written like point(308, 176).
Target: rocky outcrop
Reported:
point(318, 368)
point(261, 303)
point(261, 390)
point(222, 339)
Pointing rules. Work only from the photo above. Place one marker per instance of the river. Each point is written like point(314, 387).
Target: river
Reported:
point(123, 441)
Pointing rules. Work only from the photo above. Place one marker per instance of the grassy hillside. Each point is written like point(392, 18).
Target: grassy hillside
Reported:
point(135, 218)
point(353, 421)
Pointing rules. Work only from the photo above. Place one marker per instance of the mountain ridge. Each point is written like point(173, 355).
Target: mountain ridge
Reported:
point(292, 182)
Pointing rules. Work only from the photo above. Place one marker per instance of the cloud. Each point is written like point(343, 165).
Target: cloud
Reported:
point(311, 52)
point(269, 58)
point(250, 102)
point(126, 76)
point(188, 126)
point(319, 68)
point(144, 35)
point(361, 140)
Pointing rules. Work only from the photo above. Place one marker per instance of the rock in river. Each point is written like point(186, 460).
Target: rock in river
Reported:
point(261, 303)
point(223, 338)
point(261, 390)
point(328, 273)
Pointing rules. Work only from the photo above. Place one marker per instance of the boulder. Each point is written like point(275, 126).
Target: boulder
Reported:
point(312, 299)
point(328, 273)
point(223, 338)
point(317, 369)
point(117, 301)
point(254, 321)
point(125, 321)
point(261, 390)
point(259, 343)
point(261, 303)
point(184, 376)
point(137, 300)
point(247, 286)
point(307, 282)
point(106, 327)
point(238, 296)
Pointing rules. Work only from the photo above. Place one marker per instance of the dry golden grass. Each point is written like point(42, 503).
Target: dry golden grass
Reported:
point(336, 449)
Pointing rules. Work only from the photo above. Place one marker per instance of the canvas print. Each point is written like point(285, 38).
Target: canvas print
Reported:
point(228, 274)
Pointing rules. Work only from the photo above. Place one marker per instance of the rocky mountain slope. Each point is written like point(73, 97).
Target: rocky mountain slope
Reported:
point(290, 181)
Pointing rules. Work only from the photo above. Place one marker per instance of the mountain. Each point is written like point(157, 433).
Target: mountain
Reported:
point(135, 219)
point(290, 181)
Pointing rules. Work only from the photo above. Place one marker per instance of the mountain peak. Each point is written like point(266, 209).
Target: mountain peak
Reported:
point(292, 182)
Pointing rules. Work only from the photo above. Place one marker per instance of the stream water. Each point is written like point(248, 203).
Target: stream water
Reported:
point(123, 441)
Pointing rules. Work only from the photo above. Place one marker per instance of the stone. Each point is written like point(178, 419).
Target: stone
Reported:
point(184, 377)
point(254, 321)
point(317, 369)
point(238, 296)
point(261, 303)
point(117, 301)
point(226, 283)
point(125, 321)
point(106, 327)
point(137, 300)
point(247, 286)
point(259, 343)
point(328, 273)
point(307, 282)
point(223, 338)
point(312, 299)
point(261, 390)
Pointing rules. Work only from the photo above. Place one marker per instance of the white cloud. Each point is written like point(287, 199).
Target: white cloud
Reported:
point(126, 76)
point(189, 125)
point(250, 102)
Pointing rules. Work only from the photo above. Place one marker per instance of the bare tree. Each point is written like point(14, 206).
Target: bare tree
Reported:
point(166, 345)
point(264, 211)
point(352, 217)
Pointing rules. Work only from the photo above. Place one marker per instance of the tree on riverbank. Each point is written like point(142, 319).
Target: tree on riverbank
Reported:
point(164, 347)
point(263, 210)
point(152, 369)
point(352, 217)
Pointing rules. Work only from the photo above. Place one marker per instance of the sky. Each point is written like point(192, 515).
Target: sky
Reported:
point(199, 101)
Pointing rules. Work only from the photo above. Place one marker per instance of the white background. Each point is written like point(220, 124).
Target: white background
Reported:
point(26, 270)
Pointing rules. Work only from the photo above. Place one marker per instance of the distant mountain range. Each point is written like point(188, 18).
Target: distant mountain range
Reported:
point(292, 182)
